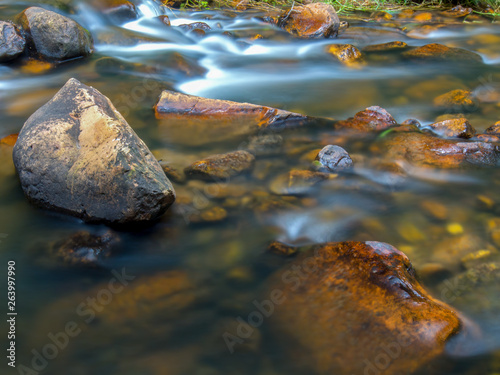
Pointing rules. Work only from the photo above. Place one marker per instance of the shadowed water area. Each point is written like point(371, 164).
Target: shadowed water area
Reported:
point(198, 271)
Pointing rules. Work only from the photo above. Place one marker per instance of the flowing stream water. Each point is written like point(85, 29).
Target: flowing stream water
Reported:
point(258, 63)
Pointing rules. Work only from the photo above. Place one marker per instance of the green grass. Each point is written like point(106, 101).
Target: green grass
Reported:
point(479, 6)
point(350, 5)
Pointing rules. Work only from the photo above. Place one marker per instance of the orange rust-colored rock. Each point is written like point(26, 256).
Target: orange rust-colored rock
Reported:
point(9, 140)
point(221, 166)
point(441, 52)
point(311, 21)
point(494, 129)
point(491, 138)
point(457, 12)
point(347, 54)
point(423, 17)
point(371, 119)
point(453, 128)
point(384, 47)
point(349, 307)
point(297, 182)
point(456, 100)
point(195, 120)
point(425, 150)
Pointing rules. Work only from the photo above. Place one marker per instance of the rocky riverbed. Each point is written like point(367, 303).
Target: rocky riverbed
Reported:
point(251, 191)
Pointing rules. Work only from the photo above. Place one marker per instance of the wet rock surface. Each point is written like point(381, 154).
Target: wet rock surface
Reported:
point(456, 100)
point(52, 36)
point(425, 150)
point(453, 128)
point(333, 159)
point(195, 120)
point(371, 119)
point(12, 43)
point(79, 156)
point(221, 166)
point(324, 320)
point(347, 54)
point(116, 10)
point(441, 52)
point(85, 249)
point(297, 182)
point(311, 21)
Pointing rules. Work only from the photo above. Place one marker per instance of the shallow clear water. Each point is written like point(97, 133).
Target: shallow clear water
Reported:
point(225, 260)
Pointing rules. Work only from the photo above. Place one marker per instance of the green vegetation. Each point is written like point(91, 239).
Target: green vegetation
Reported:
point(479, 6)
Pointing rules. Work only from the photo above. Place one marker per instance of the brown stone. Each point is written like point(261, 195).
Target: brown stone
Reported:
point(340, 304)
point(456, 100)
point(436, 51)
point(282, 249)
point(423, 17)
point(165, 20)
point(491, 138)
point(453, 128)
point(209, 215)
point(85, 249)
point(297, 182)
point(385, 47)
point(494, 129)
point(221, 166)
point(9, 140)
point(6, 163)
point(194, 120)
point(426, 150)
point(372, 119)
point(347, 54)
point(457, 12)
point(311, 21)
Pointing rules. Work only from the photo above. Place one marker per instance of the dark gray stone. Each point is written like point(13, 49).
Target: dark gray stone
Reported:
point(53, 36)
point(78, 155)
point(333, 159)
point(12, 42)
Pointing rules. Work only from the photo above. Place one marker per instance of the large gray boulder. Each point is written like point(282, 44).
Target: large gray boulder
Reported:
point(11, 42)
point(53, 36)
point(78, 155)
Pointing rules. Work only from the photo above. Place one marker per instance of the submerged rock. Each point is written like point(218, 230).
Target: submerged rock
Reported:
point(116, 10)
point(494, 129)
point(453, 128)
point(311, 21)
point(297, 182)
point(53, 36)
point(356, 308)
point(195, 26)
point(85, 249)
point(221, 166)
point(385, 47)
point(426, 150)
point(371, 119)
point(6, 146)
point(195, 120)
point(440, 52)
point(126, 308)
point(347, 54)
point(457, 12)
point(78, 155)
point(456, 100)
point(333, 159)
point(12, 43)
